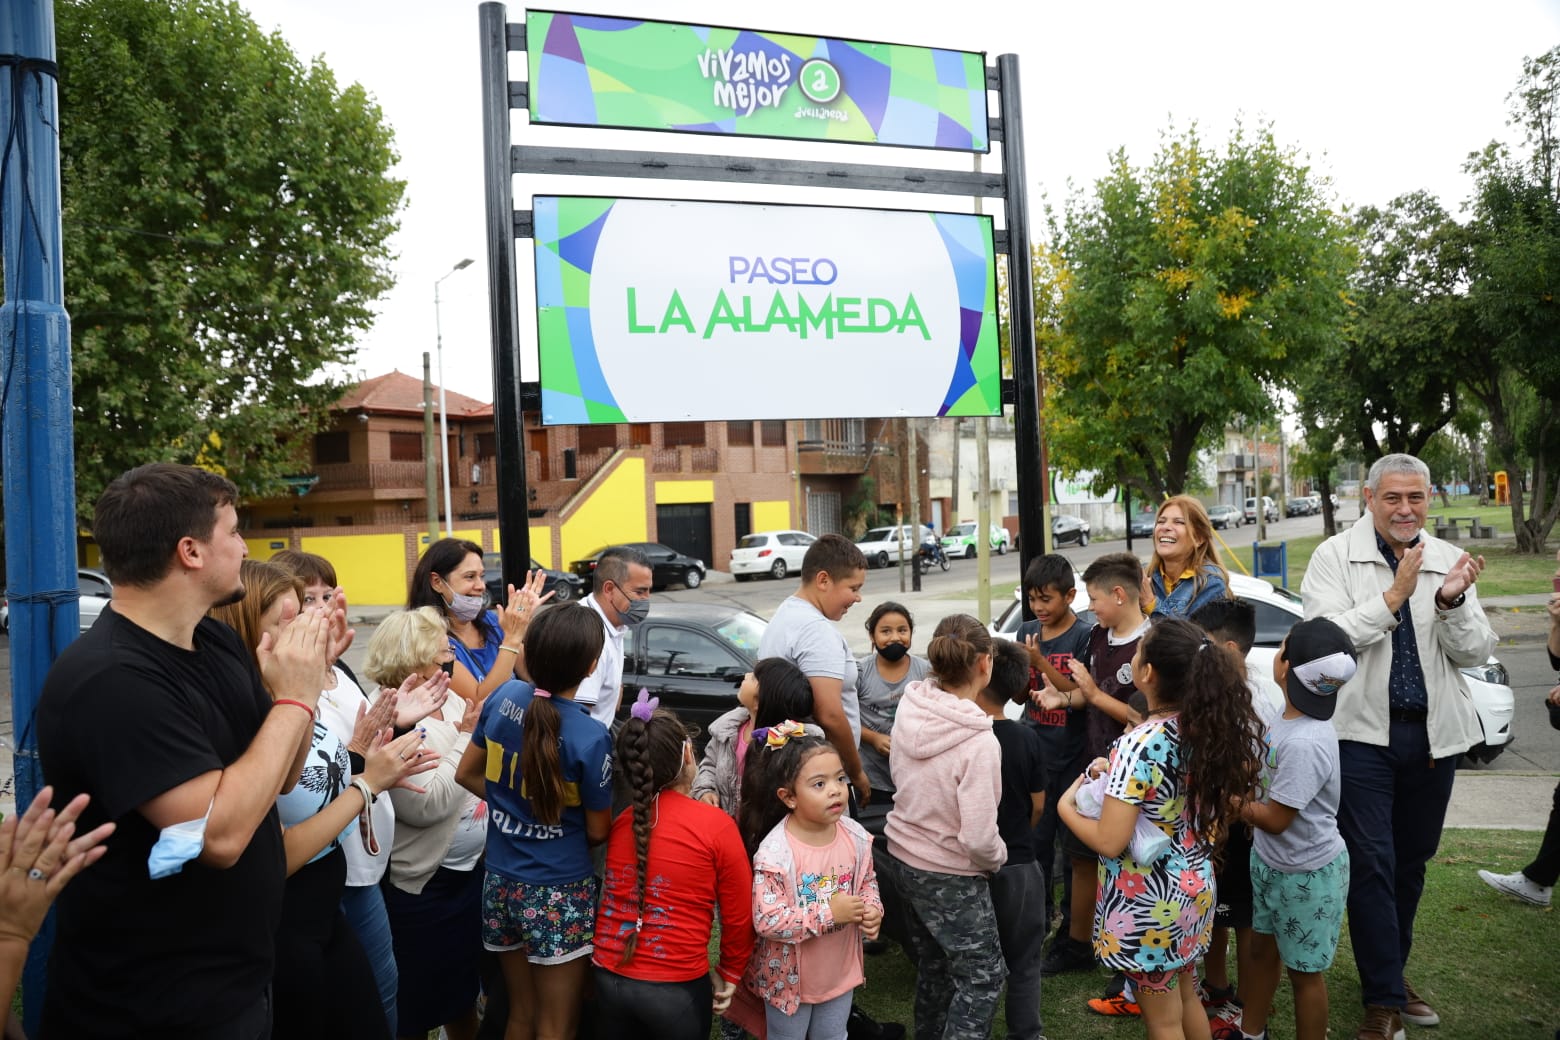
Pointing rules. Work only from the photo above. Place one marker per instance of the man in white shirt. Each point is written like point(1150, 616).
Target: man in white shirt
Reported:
point(621, 597)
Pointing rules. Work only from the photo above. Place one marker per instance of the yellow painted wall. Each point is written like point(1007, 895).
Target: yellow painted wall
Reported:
point(772, 516)
point(616, 511)
point(424, 539)
point(680, 492)
point(541, 546)
point(94, 556)
point(265, 548)
point(371, 567)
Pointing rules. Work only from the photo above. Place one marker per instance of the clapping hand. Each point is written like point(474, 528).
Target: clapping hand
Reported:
point(418, 698)
point(38, 857)
point(372, 721)
point(1049, 697)
point(1461, 577)
point(393, 762)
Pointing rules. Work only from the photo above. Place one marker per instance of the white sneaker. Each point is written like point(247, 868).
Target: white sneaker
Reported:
point(1518, 886)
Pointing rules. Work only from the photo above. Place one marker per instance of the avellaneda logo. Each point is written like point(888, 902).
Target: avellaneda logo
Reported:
point(820, 81)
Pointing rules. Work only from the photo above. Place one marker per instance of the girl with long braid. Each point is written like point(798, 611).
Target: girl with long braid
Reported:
point(670, 862)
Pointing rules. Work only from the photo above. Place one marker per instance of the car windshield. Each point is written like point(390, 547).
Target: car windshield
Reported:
point(753, 541)
point(743, 630)
point(962, 531)
point(877, 534)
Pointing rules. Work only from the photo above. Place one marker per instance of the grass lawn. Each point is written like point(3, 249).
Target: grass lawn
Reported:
point(1485, 962)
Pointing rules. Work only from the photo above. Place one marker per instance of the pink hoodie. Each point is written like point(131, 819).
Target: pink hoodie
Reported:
point(947, 769)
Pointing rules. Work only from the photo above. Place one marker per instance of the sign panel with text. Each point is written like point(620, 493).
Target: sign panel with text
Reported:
point(654, 310)
point(636, 74)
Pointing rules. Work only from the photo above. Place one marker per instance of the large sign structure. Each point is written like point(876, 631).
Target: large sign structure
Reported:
point(635, 74)
point(606, 73)
point(844, 312)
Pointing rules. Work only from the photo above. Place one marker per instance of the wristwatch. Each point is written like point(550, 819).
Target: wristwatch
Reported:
point(1453, 605)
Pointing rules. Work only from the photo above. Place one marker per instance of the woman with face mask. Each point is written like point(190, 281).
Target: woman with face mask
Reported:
point(487, 643)
point(881, 677)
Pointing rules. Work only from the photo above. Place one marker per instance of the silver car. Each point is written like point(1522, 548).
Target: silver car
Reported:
point(96, 590)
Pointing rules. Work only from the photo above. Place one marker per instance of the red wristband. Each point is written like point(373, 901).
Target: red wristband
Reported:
point(295, 704)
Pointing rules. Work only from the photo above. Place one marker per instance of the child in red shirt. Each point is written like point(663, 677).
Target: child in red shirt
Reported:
point(670, 861)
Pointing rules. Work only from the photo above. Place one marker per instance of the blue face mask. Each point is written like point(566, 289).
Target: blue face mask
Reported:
point(176, 846)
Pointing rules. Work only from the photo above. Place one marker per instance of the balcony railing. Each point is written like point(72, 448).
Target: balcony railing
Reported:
point(361, 476)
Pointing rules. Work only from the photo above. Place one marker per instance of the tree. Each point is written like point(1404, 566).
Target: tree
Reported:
point(1514, 274)
point(226, 214)
point(1193, 287)
point(1406, 350)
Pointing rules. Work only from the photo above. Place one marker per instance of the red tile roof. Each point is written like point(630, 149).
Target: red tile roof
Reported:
point(396, 393)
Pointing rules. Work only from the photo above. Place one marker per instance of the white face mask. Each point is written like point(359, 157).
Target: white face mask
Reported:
point(463, 608)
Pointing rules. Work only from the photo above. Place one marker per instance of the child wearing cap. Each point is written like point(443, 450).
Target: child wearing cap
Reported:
point(1299, 866)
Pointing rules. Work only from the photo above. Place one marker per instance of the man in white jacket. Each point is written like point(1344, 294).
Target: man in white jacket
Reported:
point(1408, 602)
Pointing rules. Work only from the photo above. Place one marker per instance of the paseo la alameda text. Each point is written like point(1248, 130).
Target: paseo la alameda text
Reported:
point(793, 312)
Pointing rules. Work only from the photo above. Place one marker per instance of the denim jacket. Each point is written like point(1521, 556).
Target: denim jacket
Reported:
point(1184, 600)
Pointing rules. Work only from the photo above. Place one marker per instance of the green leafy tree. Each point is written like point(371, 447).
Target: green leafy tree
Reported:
point(1406, 350)
point(1514, 275)
point(1194, 286)
point(226, 214)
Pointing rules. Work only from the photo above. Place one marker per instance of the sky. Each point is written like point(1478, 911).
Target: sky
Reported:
point(1383, 97)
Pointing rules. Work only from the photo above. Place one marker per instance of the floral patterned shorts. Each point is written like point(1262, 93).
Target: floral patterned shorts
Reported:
point(553, 924)
point(1160, 981)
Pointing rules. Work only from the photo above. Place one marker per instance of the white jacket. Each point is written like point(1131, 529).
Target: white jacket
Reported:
point(1345, 582)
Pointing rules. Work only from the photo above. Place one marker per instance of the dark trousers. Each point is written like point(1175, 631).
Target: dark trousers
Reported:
point(1018, 897)
point(1392, 807)
point(1545, 868)
point(662, 1010)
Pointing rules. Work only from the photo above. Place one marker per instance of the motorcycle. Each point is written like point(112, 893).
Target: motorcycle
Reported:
point(931, 554)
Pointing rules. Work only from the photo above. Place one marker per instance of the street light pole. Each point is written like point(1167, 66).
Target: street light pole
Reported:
point(444, 421)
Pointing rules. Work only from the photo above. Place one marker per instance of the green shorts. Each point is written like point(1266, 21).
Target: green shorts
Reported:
point(1303, 912)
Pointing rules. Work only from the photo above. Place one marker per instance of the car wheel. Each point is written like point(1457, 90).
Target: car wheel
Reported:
point(969, 551)
point(1002, 548)
point(1083, 539)
point(882, 559)
point(563, 592)
point(779, 570)
point(692, 578)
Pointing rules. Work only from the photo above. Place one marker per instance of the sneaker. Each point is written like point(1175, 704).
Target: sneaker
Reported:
point(1518, 887)
point(1224, 1020)
point(1067, 954)
point(1114, 1005)
point(1381, 1023)
point(1416, 1011)
point(1214, 997)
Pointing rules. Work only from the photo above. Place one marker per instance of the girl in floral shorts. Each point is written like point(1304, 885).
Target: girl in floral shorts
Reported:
point(1152, 921)
point(545, 768)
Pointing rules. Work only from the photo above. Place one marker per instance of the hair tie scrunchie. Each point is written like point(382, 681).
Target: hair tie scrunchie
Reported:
point(644, 705)
point(539, 692)
point(776, 736)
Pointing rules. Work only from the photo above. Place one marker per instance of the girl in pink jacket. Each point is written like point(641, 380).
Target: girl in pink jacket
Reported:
point(815, 893)
point(942, 834)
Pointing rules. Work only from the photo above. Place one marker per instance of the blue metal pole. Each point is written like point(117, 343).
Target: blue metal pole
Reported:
point(35, 395)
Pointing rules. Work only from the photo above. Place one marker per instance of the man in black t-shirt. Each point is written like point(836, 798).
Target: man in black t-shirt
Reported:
point(159, 714)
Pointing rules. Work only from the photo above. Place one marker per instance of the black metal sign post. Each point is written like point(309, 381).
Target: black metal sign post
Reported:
point(502, 160)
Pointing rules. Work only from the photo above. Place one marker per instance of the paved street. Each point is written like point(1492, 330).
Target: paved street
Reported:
point(1514, 791)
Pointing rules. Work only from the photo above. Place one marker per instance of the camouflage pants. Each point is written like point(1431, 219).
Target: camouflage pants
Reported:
point(953, 937)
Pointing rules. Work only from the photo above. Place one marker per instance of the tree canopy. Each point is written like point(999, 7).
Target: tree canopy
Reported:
point(1192, 287)
point(227, 210)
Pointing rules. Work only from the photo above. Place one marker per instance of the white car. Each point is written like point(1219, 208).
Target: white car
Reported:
point(775, 553)
point(960, 541)
point(1277, 611)
point(881, 545)
point(96, 590)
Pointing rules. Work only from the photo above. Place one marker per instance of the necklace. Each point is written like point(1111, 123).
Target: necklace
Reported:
point(1163, 711)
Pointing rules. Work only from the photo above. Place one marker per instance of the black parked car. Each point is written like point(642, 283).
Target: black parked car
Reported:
point(667, 565)
point(563, 585)
point(1066, 528)
point(693, 656)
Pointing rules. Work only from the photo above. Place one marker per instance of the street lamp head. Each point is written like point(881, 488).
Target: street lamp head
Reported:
point(463, 264)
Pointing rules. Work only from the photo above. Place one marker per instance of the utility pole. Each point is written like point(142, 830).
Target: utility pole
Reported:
point(983, 519)
point(912, 453)
point(40, 478)
point(430, 479)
